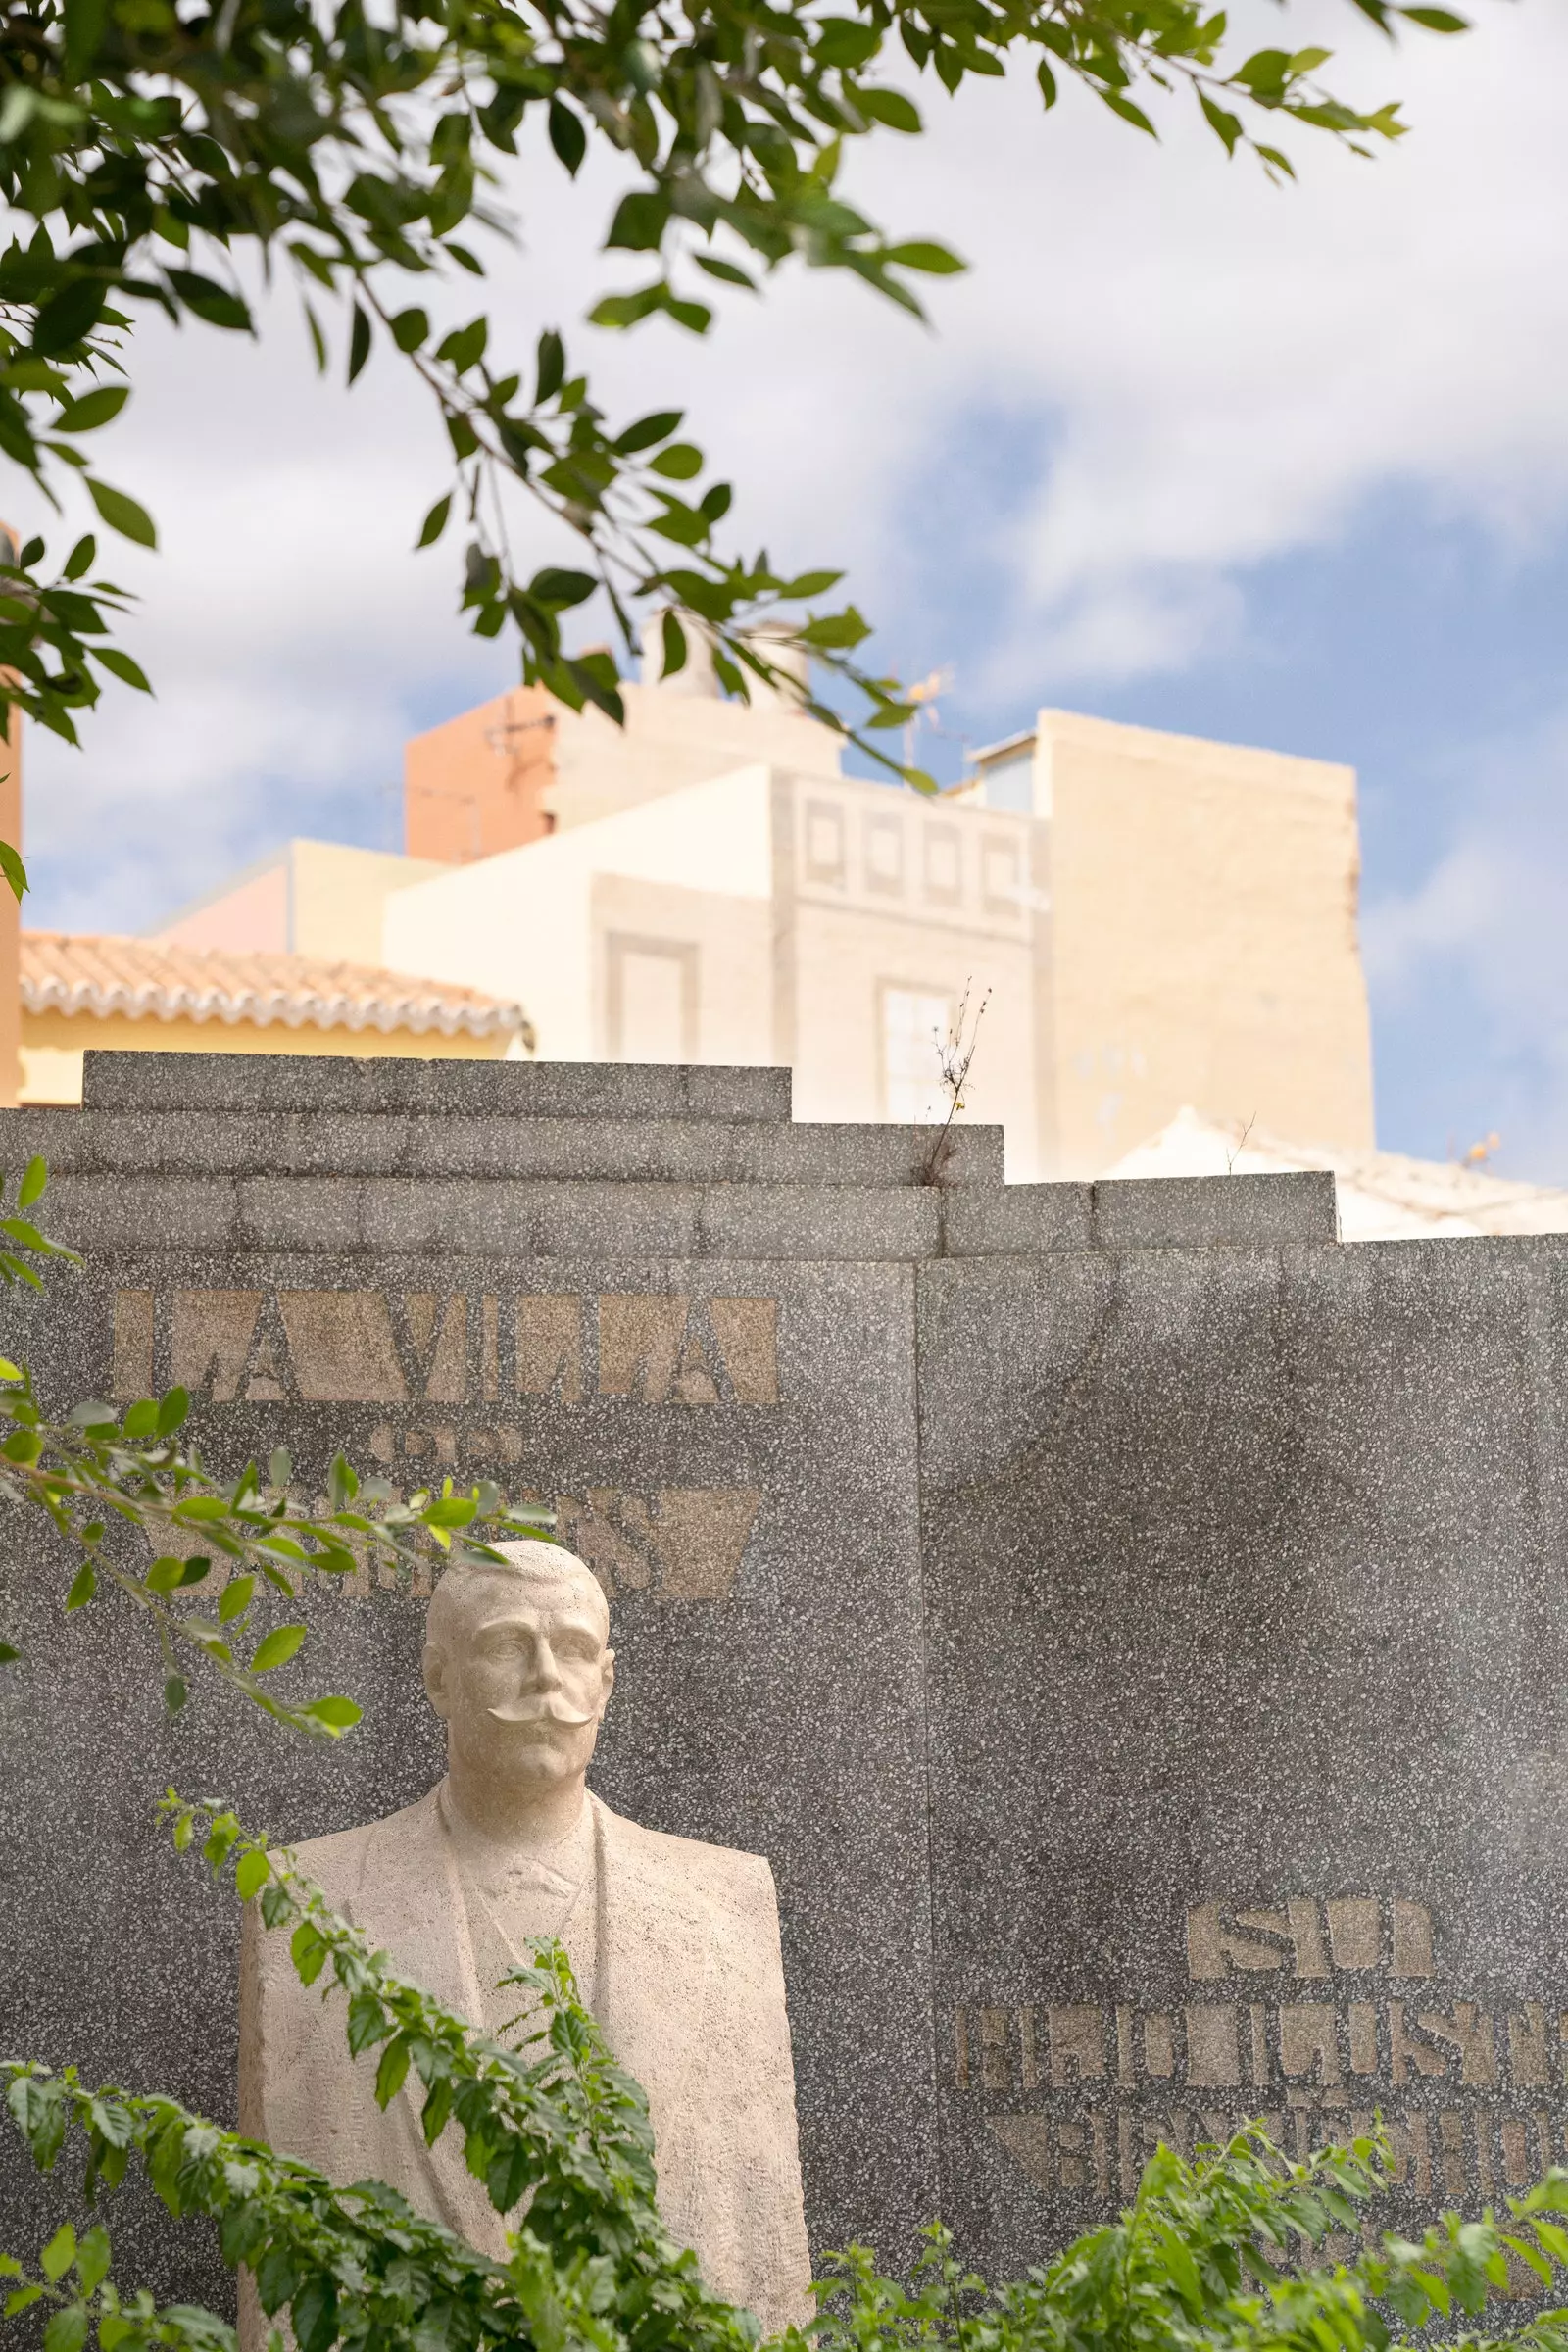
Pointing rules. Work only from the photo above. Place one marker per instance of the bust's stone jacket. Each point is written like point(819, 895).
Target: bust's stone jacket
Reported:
point(690, 1995)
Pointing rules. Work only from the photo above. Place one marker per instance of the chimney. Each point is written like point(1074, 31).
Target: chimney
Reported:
point(775, 641)
point(697, 676)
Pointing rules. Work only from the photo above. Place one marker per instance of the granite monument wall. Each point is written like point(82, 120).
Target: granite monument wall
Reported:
point(1130, 1622)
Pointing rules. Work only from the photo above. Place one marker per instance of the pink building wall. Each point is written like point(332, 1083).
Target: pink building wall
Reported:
point(252, 918)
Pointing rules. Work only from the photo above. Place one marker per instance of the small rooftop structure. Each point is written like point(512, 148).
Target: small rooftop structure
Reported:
point(1383, 1196)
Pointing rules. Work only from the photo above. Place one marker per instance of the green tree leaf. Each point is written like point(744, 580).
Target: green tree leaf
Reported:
point(208, 301)
point(252, 1875)
point(276, 1649)
point(68, 316)
point(935, 259)
point(59, 2254)
point(550, 365)
point(359, 341)
point(332, 1716)
point(563, 588)
point(123, 513)
point(566, 135)
point(66, 2329)
point(93, 408)
point(92, 2259)
point(889, 106)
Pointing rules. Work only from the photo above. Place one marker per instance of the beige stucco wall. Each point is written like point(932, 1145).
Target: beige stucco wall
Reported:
point(535, 920)
point(729, 937)
point(1203, 942)
point(54, 1043)
point(671, 740)
point(925, 895)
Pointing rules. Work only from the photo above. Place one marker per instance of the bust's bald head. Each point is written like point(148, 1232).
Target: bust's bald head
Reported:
point(462, 1589)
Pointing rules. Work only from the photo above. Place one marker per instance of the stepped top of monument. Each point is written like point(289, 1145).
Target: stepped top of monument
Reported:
point(547, 1090)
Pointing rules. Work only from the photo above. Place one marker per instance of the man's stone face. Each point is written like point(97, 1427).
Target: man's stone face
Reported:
point(522, 1676)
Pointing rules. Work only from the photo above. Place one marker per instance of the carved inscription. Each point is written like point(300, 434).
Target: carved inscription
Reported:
point(1315, 2015)
point(459, 1374)
point(682, 1542)
point(346, 1346)
point(671, 1543)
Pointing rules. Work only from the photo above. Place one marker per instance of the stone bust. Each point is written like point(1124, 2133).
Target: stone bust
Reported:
point(674, 1944)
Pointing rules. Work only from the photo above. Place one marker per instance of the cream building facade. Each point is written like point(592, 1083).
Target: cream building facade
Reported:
point(1203, 939)
point(1149, 920)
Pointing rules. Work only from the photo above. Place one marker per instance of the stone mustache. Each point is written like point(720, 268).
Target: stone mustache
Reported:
point(674, 1944)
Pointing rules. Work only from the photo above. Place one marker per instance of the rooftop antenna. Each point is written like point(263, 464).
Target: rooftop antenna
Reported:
point(924, 698)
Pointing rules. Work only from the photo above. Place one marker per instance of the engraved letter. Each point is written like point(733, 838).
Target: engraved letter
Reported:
point(430, 1330)
point(1213, 2059)
point(1354, 1932)
point(1516, 2165)
point(996, 2072)
point(1412, 1938)
point(342, 1345)
point(1159, 2046)
point(1526, 2047)
point(1453, 2166)
point(1308, 2041)
point(1470, 2032)
point(640, 1338)
point(702, 1534)
point(550, 1348)
point(1209, 1946)
point(210, 1340)
point(1078, 2042)
point(1403, 2053)
point(133, 1345)
point(746, 1331)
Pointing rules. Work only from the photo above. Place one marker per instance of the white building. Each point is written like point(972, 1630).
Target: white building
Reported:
point(1149, 921)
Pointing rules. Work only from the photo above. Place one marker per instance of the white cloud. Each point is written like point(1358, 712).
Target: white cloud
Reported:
point(1455, 913)
point(1225, 369)
point(1484, 928)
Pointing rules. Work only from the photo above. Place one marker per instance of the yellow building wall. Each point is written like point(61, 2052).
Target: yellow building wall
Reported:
point(338, 902)
point(54, 1043)
point(1203, 942)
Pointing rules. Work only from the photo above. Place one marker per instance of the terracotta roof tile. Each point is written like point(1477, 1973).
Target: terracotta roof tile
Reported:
point(86, 972)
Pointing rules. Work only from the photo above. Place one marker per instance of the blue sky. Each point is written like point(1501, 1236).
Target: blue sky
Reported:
point(1427, 655)
point(1287, 466)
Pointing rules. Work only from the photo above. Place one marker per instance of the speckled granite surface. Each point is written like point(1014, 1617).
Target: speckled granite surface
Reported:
point(1131, 1623)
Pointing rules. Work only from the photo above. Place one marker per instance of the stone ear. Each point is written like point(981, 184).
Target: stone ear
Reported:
point(433, 1662)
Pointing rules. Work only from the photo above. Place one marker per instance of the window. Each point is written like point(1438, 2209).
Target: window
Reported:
point(884, 854)
point(944, 864)
point(824, 843)
point(652, 999)
point(1011, 783)
point(1000, 866)
point(914, 1030)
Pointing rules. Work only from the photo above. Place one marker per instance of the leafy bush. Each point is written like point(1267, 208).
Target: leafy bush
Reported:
point(1242, 2249)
